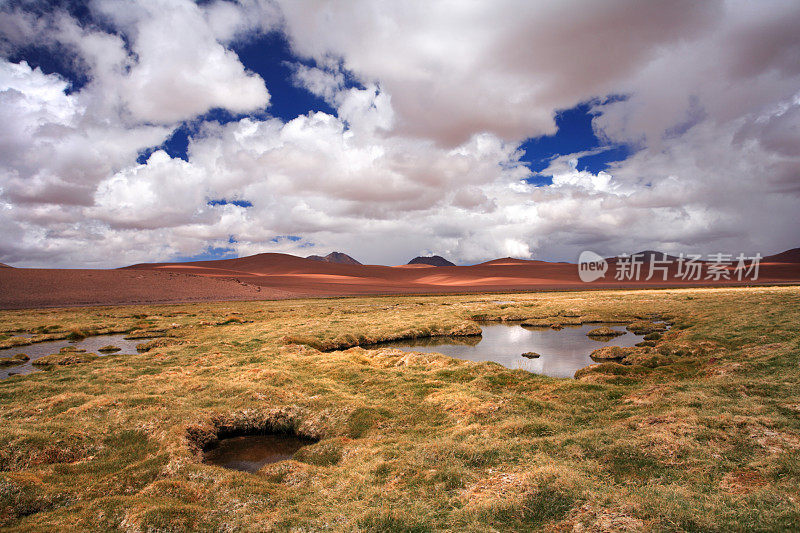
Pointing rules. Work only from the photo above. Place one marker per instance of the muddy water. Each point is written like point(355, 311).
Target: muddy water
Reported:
point(561, 352)
point(40, 349)
point(251, 452)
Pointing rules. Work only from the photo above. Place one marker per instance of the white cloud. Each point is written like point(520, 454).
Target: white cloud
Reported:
point(325, 83)
point(62, 145)
point(571, 176)
point(423, 156)
point(51, 151)
point(455, 69)
point(177, 67)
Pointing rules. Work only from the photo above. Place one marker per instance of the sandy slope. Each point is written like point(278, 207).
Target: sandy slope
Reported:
point(33, 287)
point(314, 278)
point(268, 276)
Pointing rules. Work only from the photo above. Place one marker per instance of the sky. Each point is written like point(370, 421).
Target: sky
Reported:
point(160, 130)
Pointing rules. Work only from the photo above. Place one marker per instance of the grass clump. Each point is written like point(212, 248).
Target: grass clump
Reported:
point(324, 453)
point(14, 360)
point(77, 334)
point(157, 343)
point(64, 358)
point(609, 352)
point(546, 503)
point(137, 334)
point(604, 333)
point(645, 327)
point(109, 349)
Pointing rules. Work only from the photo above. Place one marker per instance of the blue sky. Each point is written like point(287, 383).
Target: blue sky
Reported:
point(575, 134)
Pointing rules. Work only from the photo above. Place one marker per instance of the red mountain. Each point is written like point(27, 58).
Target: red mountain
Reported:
point(335, 257)
point(789, 256)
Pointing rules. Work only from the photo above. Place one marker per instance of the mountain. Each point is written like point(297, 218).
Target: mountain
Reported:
point(434, 260)
point(335, 257)
point(789, 256)
point(3, 265)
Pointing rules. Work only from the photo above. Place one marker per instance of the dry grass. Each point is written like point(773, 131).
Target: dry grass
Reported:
point(14, 360)
point(699, 432)
point(65, 357)
point(604, 332)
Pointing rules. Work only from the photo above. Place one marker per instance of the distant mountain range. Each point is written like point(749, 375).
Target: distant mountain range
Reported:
point(274, 275)
point(434, 260)
point(335, 257)
point(344, 259)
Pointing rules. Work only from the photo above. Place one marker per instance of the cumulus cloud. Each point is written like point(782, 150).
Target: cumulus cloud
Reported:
point(501, 67)
point(314, 177)
point(149, 66)
point(181, 69)
point(166, 60)
point(423, 152)
point(51, 150)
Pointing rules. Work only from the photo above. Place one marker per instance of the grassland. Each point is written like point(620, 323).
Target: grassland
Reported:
point(700, 432)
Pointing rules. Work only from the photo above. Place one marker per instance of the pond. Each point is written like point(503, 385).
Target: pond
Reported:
point(40, 349)
point(249, 453)
point(561, 352)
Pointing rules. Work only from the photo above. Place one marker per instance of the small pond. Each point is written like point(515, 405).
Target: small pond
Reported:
point(250, 453)
point(40, 349)
point(561, 352)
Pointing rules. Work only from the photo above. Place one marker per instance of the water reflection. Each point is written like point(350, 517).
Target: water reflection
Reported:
point(40, 349)
point(561, 352)
point(250, 453)
point(471, 340)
